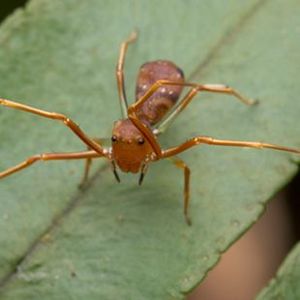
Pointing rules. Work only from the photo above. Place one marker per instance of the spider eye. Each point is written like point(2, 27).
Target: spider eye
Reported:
point(141, 141)
point(114, 139)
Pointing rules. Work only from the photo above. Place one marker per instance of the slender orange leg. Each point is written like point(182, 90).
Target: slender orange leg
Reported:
point(181, 164)
point(88, 163)
point(216, 142)
point(120, 73)
point(217, 88)
point(196, 88)
point(179, 108)
point(169, 153)
point(146, 131)
point(55, 116)
point(49, 156)
point(87, 167)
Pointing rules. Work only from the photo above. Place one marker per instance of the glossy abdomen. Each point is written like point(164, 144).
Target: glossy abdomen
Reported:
point(165, 97)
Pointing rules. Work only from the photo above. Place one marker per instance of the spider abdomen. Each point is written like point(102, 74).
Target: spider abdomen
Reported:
point(165, 97)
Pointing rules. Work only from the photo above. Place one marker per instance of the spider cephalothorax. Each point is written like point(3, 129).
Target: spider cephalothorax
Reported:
point(130, 150)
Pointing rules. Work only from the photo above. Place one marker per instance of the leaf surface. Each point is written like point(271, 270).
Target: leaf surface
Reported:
point(286, 283)
point(121, 241)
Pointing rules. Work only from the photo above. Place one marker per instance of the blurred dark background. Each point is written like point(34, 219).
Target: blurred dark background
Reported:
point(7, 7)
point(293, 197)
point(258, 253)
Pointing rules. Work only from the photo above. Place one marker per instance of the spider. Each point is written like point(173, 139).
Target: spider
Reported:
point(134, 142)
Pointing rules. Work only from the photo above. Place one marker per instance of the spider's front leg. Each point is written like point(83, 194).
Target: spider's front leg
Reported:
point(132, 115)
point(49, 156)
point(171, 152)
point(232, 143)
point(145, 130)
point(151, 137)
point(96, 149)
point(195, 89)
point(58, 117)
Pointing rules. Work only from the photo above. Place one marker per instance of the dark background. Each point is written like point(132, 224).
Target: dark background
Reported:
point(8, 7)
point(293, 192)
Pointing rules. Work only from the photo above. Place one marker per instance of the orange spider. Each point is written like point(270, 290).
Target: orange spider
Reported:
point(134, 138)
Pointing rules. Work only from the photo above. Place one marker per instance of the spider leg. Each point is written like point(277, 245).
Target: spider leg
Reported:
point(214, 88)
point(55, 116)
point(87, 167)
point(186, 170)
point(146, 131)
point(150, 136)
point(216, 142)
point(88, 161)
point(49, 156)
point(169, 153)
point(120, 73)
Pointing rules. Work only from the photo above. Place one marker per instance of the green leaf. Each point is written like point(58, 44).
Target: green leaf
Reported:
point(286, 283)
point(121, 241)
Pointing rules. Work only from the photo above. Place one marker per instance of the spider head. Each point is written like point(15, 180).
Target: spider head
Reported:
point(130, 149)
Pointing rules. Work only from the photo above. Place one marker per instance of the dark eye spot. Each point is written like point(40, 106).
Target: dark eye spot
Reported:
point(141, 141)
point(114, 139)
